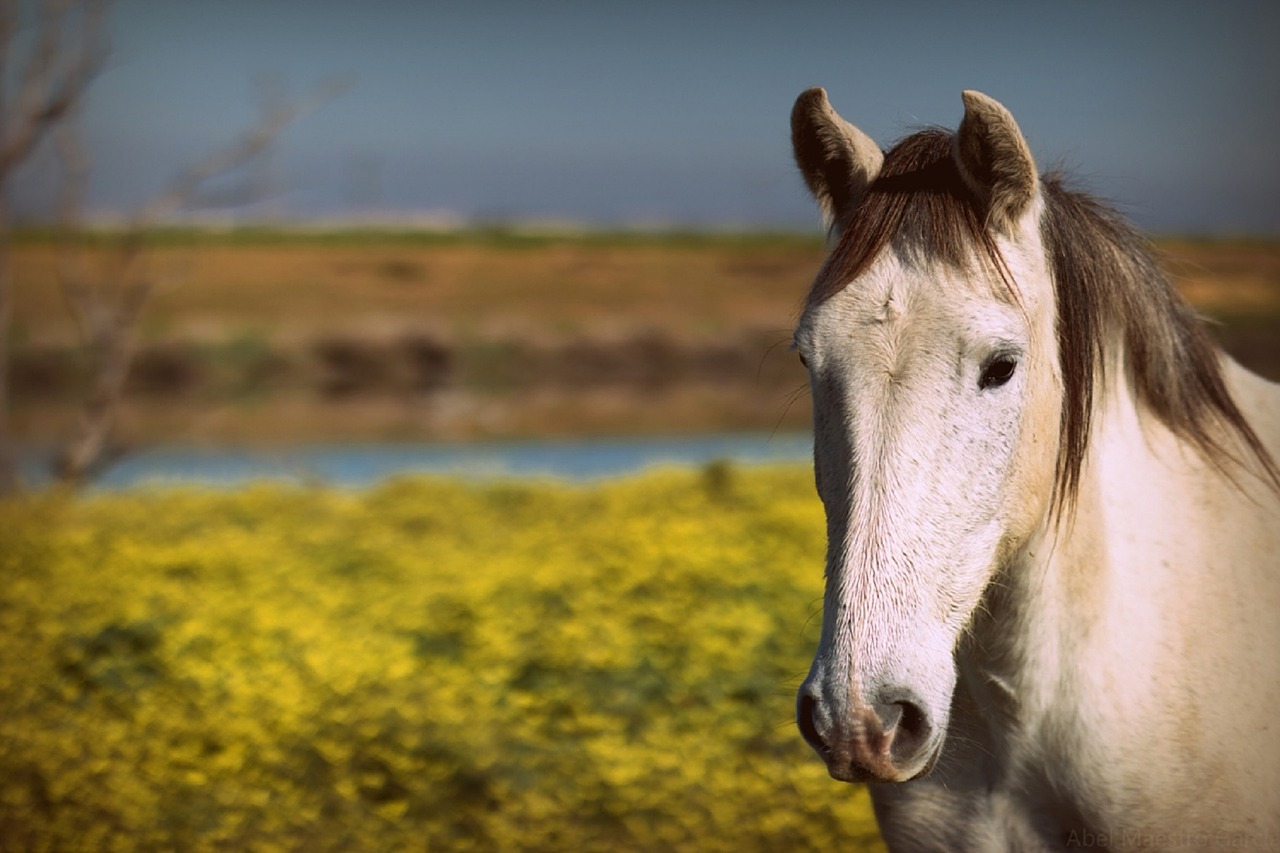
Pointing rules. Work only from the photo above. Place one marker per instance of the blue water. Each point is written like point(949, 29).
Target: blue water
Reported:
point(364, 464)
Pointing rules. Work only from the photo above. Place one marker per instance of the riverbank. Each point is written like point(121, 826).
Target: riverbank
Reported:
point(365, 465)
point(275, 338)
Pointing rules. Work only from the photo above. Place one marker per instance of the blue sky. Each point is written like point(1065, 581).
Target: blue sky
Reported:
point(676, 113)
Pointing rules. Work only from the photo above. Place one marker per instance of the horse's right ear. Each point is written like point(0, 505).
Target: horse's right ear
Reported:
point(838, 161)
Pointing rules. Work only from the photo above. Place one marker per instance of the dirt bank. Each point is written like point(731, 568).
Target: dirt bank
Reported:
point(371, 337)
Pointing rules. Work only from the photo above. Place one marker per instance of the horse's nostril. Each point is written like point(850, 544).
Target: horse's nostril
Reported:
point(909, 725)
point(808, 729)
point(890, 715)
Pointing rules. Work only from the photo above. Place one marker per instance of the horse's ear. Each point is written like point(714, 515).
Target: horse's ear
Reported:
point(995, 161)
point(838, 161)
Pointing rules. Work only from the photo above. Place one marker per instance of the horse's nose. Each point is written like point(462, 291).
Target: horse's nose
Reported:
point(881, 741)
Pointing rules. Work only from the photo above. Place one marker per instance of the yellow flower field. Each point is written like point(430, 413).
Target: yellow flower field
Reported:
point(426, 665)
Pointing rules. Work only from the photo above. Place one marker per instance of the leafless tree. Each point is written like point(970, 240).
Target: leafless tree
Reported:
point(66, 52)
point(107, 304)
point(107, 301)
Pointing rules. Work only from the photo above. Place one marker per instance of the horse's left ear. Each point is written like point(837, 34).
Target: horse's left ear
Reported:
point(995, 161)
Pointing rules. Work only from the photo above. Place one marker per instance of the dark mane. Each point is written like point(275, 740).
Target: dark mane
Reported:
point(1110, 290)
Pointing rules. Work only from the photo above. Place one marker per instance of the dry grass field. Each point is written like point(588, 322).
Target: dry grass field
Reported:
point(276, 338)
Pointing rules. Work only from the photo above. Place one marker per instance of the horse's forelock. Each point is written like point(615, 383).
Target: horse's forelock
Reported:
point(920, 205)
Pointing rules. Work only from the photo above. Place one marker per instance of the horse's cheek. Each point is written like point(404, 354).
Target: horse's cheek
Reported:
point(1033, 472)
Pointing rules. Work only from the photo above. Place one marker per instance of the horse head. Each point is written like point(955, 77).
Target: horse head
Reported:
point(929, 340)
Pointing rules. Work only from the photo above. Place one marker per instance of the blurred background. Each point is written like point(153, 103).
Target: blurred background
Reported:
point(332, 244)
point(614, 115)
point(417, 222)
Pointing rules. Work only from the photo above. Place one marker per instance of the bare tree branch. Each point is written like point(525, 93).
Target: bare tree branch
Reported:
point(109, 312)
point(67, 50)
point(49, 85)
point(54, 79)
point(74, 278)
point(186, 188)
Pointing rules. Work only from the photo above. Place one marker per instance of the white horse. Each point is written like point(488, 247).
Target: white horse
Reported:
point(1052, 612)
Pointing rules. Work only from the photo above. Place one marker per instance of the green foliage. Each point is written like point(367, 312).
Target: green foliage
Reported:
point(425, 665)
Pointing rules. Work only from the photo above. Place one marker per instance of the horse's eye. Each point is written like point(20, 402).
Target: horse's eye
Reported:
point(997, 372)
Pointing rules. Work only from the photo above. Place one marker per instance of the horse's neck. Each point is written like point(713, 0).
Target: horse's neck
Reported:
point(1161, 546)
point(1097, 567)
point(1101, 644)
point(1026, 673)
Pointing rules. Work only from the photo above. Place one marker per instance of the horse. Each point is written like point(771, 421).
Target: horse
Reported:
point(1052, 590)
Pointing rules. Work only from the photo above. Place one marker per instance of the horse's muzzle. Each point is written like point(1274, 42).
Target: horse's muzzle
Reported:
point(877, 742)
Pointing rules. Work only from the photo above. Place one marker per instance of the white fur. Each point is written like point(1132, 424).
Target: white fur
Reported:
point(1113, 681)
